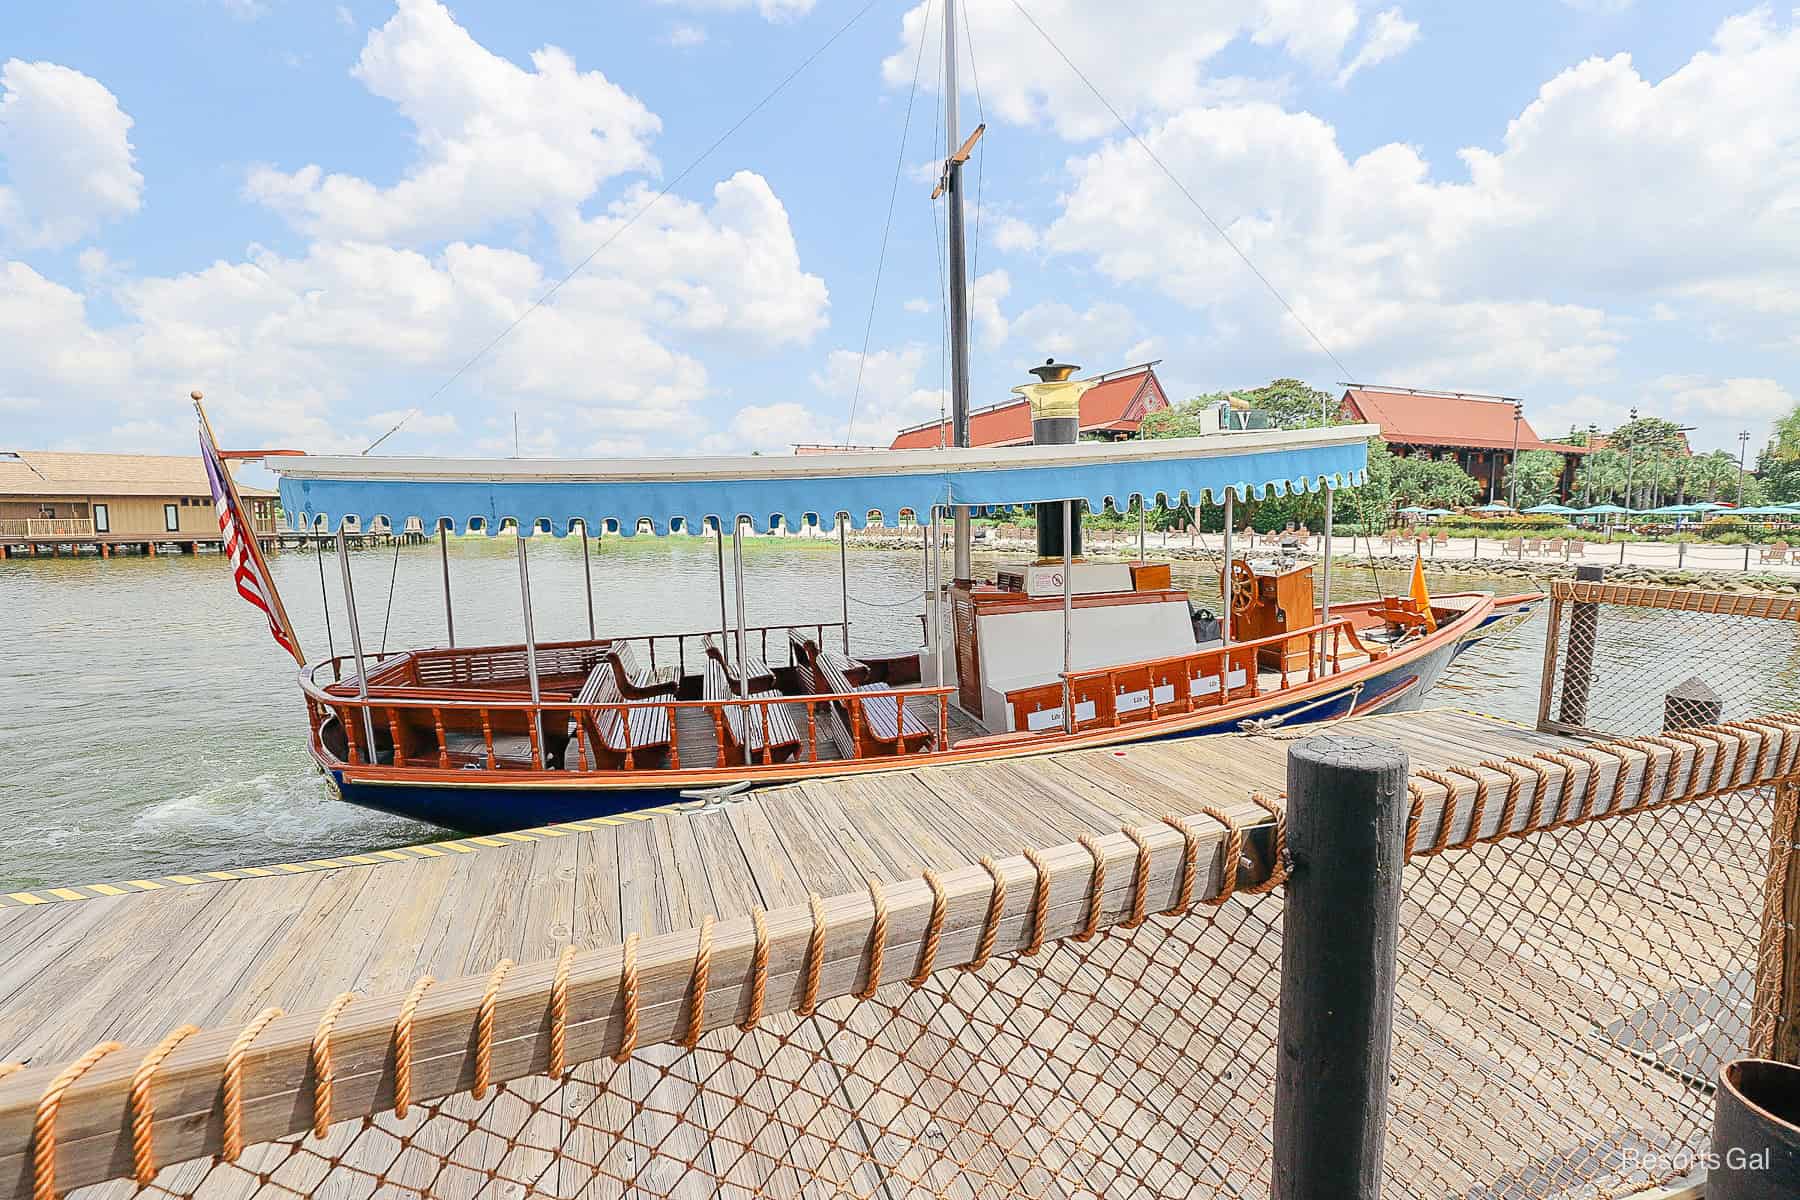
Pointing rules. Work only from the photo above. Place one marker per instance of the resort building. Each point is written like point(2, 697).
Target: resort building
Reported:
point(1112, 410)
point(1479, 433)
point(50, 500)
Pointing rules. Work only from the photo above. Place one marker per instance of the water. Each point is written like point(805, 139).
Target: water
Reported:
point(151, 726)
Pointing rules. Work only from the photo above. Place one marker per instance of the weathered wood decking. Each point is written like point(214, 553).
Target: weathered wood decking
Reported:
point(1503, 1045)
point(216, 952)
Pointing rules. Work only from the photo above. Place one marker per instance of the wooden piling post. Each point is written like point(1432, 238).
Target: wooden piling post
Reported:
point(1775, 1013)
point(1578, 666)
point(1691, 702)
point(1346, 831)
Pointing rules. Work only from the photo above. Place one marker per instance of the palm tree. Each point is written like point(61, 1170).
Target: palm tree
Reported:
point(1601, 476)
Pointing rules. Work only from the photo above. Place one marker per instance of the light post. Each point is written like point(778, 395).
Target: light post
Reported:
point(1743, 445)
point(1587, 486)
point(1628, 466)
point(1512, 498)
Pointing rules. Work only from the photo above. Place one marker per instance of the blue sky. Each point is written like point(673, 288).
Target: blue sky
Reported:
point(317, 213)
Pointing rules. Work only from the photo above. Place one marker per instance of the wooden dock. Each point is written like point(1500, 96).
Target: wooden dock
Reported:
point(130, 959)
point(78, 964)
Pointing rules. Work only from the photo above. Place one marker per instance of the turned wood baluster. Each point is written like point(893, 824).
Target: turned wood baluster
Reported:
point(943, 742)
point(812, 731)
point(718, 715)
point(393, 721)
point(624, 714)
point(437, 723)
point(768, 750)
point(534, 718)
point(674, 741)
point(349, 735)
point(856, 740)
point(487, 737)
point(581, 757)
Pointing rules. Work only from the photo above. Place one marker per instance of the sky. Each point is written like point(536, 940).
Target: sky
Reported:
point(640, 227)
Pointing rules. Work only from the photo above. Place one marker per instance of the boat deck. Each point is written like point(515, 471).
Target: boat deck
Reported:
point(78, 964)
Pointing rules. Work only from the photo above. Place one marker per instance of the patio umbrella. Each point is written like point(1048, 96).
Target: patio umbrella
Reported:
point(1556, 509)
point(1672, 510)
point(1603, 510)
point(1494, 507)
point(1766, 510)
point(1437, 512)
point(1708, 506)
point(1413, 510)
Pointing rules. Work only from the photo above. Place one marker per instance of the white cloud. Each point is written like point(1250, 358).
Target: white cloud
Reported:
point(1607, 190)
point(891, 395)
point(918, 304)
point(769, 10)
point(1100, 333)
point(496, 142)
point(1146, 56)
point(686, 35)
point(985, 295)
point(66, 153)
point(1390, 35)
point(729, 268)
point(1717, 405)
point(1012, 234)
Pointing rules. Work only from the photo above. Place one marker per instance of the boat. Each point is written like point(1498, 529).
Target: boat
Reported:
point(1054, 652)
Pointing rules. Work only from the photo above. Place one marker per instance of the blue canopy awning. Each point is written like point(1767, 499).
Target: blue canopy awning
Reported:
point(677, 493)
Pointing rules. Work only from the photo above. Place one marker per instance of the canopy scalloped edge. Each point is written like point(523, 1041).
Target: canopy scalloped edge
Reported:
point(494, 520)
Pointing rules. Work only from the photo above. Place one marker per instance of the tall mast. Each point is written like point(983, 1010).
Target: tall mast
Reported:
point(959, 296)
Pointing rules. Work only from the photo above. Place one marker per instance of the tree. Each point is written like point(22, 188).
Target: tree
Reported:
point(1429, 482)
point(1180, 420)
point(1778, 477)
point(1601, 477)
point(1291, 404)
point(1533, 477)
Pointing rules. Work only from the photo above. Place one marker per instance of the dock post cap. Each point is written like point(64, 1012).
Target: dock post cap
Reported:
point(1348, 752)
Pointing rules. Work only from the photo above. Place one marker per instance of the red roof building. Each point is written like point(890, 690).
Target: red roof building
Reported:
point(1114, 408)
point(1480, 433)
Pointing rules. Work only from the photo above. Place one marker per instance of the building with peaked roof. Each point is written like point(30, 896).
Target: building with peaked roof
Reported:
point(1113, 409)
point(50, 498)
point(1479, 433)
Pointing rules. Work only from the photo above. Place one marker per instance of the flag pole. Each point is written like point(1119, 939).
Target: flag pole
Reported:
point(255, 547)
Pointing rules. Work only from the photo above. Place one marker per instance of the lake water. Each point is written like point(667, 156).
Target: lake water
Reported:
point(150, 725)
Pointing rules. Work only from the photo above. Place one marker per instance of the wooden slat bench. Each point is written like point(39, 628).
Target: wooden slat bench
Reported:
point(807, 654)
point(634, 739)
point(761, 678)
point(878, 722)
point(748, 723)
point(637, 681)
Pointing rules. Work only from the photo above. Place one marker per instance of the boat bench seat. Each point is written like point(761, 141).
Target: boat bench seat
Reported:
point(761, 678)
point(877, 722)
point(634, 738)
point(807, 654)
point(747, 724)
point(636, 681)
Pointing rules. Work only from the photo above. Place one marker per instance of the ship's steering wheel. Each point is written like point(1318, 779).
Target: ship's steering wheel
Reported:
point(1243, 587)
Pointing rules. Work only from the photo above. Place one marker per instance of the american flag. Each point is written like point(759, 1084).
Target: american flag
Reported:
point(248, 570)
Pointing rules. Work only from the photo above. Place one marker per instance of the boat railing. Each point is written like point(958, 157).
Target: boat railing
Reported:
point(1103, 686)
point(419, 724)
point(756, 637)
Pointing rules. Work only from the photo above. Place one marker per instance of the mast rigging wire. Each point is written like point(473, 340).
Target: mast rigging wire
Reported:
point(649, 204)
point(1182, 188)
point(881, 258)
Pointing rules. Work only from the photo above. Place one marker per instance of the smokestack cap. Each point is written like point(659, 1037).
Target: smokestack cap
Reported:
point(1053, 371)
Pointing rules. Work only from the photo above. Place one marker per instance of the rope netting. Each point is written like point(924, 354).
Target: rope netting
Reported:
point(1579, 952)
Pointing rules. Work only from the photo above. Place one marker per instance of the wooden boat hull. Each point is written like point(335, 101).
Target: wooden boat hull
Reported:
point(478, 802)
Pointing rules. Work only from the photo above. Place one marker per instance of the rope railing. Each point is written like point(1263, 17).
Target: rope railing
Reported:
point(123, 1112)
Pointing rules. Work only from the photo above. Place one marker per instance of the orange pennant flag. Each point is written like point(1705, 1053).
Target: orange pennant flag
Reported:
point(1420, 597)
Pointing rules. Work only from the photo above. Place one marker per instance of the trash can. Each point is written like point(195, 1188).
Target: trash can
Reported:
point(1756, 1132)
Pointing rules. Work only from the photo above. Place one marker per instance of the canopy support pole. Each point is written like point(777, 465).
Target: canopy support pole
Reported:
point(1068, 574)
point(724, 621)
point(587, 578)
point(737, 568)
point(844, 575)
point(1141, 506)
point(362, 671)
point(1325, 601)
point(1225, 585)
point(937, 596)
point(444, 559)
point(325, 601)
point(531, 666)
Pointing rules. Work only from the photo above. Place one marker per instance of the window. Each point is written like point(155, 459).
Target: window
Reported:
point(47, 512)
point(171, 518)
point(102, 519)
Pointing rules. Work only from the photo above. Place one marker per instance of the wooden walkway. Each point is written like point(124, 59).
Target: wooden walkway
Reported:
point(217, 951)
point(78, 965)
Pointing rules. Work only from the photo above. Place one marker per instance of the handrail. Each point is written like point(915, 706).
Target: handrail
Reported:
point(390, 702)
